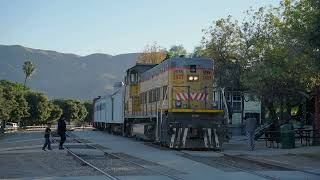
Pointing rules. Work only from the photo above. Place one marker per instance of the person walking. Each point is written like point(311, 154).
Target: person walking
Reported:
point(250, 130)
point(62, 131)
point(47, 134)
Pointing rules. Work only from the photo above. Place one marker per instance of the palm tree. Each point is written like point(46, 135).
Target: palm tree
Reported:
point(28, 69)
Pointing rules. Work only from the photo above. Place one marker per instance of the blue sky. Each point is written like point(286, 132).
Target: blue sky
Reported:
point(112, 26)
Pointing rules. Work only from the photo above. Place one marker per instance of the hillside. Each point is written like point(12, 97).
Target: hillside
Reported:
point(62, 75)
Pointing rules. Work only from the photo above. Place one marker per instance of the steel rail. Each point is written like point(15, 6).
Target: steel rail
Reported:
point(272, 165)
point(250, 172)
point(242, 169)
point(91, 165)
point(132, 162)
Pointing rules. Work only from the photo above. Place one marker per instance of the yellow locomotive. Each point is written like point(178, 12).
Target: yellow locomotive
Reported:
point(175, 104)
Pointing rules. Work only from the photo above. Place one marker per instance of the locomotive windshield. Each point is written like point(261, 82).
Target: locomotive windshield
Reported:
point(193, 68)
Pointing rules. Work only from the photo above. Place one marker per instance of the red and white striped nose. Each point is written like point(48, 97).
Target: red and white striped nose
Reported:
point(194, 96)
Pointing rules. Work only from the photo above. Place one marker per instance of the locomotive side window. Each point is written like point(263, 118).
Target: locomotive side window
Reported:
point(193, 68)
point(134, 78)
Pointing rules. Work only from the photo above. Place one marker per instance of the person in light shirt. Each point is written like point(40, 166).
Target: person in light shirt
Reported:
point(250, 124)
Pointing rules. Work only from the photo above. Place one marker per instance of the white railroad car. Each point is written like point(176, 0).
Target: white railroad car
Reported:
point(108, 111)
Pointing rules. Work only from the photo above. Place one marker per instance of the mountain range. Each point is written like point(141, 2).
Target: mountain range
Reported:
point(62, 75)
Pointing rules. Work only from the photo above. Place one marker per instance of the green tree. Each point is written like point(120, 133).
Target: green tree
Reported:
point(55, 112)
point(177, 51)
point(16, 86)
point(28, 69)
point(8, 103)
point(302, 24)
point(73, 110)
point(20, 111)
point(82, 114)
point(39, 108)
point(221, 42)
point(283, 64)
point(314, 22)
point(89, 107)
point(198, 52)
point(14, 106)
point(4, 110)
point(274, 53)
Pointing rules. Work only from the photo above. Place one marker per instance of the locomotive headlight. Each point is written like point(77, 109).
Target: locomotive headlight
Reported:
point(190, 78)
point(195, 78)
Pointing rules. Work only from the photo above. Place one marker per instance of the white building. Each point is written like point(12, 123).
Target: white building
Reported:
point(241, 105)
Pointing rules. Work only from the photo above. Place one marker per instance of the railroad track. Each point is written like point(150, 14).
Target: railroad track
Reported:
point(225, 163)
point(108, 175)
point(113, 155)
point(234, 162)
point(162, 173)
point(247, 170)
point(272, 165)
point(80, 159)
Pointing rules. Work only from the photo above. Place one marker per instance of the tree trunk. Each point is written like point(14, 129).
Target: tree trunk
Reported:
point(25, 81)
point(272, 112)
point(3, 123)
point(263, 112)
point(281, 109)
point(288, 110)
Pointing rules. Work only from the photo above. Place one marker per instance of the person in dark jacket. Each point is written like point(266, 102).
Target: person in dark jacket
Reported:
point(47, 134)
point(250, 130)
point(62, 127)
